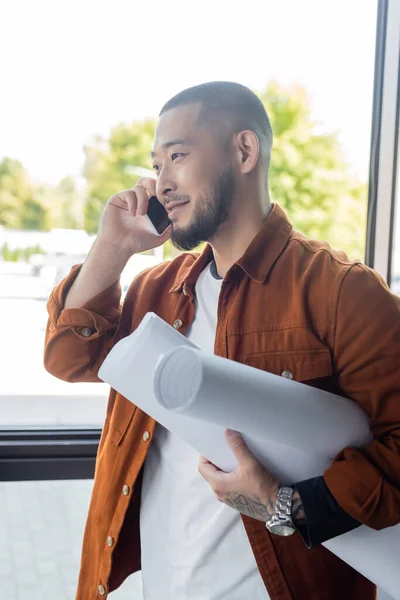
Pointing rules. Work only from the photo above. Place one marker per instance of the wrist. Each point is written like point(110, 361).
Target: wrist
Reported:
point(281, 523)
point(111, 248)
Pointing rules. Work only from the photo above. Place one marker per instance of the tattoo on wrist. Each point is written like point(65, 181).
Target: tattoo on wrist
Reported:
point(252, 507)
point(298, 514)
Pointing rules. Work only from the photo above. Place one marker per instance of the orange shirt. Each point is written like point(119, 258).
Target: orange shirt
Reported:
point(289, 304)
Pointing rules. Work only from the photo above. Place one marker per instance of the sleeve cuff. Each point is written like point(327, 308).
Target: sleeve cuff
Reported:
point(101, 312)
point(325, 519)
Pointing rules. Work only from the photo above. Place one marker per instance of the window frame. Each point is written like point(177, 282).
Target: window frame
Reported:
point(58, 454)
point(48, 454)
point(384, 141)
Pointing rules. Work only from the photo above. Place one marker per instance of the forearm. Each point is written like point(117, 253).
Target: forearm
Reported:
point(103, 267)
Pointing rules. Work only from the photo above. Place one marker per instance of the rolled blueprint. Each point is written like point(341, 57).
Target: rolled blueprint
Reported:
point(224, 392)
point(261, 405)
point(297, 429)
point(130, 367)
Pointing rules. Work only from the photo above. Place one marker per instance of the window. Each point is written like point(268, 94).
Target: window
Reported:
point(86, 133)
point(395, 278)
point(382, 252)
point(84, 89)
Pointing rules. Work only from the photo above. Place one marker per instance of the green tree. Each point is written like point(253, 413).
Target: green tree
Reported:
point(66, 208)
point(20, 207)
point(63, 204)
point(34, 215)
point(109, 165)
point(310, 177)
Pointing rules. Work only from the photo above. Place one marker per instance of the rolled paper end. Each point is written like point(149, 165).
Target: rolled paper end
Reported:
point(177, 378)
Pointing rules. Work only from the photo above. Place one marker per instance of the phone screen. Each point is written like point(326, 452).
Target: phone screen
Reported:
point(157, 215)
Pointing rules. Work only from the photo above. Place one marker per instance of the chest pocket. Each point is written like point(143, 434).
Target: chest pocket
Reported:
point(307, 366)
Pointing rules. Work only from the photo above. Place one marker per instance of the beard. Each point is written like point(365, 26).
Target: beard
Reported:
point(209, 216)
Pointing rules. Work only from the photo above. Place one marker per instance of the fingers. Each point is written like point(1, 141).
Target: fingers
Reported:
point(136, 200)
point(142, 199)
point(238, 445)
point(149, 184)
point(209, 471)
point(143, 190)
point(129, 197)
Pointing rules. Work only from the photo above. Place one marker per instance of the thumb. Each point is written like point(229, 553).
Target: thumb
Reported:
point(238, 445)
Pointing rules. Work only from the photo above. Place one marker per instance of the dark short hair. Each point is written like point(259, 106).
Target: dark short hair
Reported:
point(228, 101)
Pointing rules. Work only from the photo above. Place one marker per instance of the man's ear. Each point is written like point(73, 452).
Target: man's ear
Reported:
point(247, 150)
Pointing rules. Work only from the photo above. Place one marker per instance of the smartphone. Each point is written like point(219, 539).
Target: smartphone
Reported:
point(157, 215)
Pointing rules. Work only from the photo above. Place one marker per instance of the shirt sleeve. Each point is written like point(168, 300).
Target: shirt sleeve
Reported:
point(365, 482)
point(325, 519)
point(78, 339)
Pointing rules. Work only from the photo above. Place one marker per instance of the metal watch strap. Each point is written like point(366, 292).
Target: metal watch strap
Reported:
point(281, 522)
point(283, 508)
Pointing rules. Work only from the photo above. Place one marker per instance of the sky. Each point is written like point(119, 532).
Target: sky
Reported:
point(71, 70)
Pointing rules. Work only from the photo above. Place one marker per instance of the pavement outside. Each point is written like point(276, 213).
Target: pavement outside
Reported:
point(41, 526)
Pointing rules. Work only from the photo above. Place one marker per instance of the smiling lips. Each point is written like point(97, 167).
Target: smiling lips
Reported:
point(173, 205)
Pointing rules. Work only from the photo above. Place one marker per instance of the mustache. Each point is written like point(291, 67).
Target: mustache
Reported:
point(176, 198)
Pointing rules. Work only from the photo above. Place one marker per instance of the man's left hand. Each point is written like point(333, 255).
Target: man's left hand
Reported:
point(250, 488)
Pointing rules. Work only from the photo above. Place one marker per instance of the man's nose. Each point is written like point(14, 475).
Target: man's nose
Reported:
point(165, 185)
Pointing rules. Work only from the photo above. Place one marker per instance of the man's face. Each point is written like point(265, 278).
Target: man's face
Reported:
point(194, 178)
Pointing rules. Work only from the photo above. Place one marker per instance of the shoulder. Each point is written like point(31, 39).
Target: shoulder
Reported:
point(319, 260)
point(341, 278)
point(315, 250)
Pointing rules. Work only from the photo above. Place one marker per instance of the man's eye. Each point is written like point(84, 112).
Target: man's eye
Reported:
point(176, 155)
point(156, 168)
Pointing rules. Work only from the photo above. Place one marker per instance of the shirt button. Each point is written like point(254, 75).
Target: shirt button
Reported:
point(287, 374)
point(185, 290)
point(178, 324)
point(86, 332)
point(146, 436)
point(110, 541)
point(125, 490)
point(102, 590)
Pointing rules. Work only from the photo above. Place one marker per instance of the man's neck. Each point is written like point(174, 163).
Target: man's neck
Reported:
point(234, 239)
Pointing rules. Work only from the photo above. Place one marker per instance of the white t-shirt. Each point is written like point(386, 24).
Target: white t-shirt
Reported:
point(193, 546)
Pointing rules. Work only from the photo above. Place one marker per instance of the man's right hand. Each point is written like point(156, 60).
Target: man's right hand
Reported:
point(123, 223)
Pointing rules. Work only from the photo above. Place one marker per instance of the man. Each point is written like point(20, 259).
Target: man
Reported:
point(262, 294)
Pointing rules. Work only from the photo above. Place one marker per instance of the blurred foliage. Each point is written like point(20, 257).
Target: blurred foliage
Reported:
point(110, 165)
point(36, 207)
point(309, 177)
point(19, 206)
point(16, 254)
point(63, 203)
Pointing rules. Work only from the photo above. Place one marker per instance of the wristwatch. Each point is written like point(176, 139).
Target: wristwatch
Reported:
point(281, 522)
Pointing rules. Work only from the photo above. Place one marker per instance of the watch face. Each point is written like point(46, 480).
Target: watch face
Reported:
point(283, 530)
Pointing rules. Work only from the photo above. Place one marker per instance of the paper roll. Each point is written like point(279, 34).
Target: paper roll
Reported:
point(214, 389)
point(197, 396)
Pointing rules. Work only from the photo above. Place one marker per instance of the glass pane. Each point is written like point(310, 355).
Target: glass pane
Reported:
point(395, 279)
point(42, 524)
point(77, 124)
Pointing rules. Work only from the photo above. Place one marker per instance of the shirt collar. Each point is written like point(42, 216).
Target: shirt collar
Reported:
point(259, 257)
